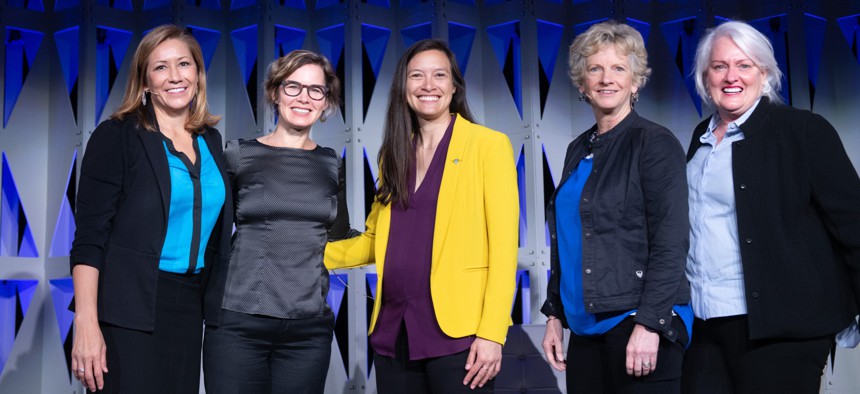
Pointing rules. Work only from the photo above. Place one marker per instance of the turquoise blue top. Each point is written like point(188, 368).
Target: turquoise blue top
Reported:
point(569, 229)
point(196, 197)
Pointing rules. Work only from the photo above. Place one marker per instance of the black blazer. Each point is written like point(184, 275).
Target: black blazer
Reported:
point(121, 219)
point(797, 197)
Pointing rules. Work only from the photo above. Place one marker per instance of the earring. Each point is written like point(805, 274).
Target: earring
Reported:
point(765, 88)
point(583, 97)
point(143, 100)
point(634, 97)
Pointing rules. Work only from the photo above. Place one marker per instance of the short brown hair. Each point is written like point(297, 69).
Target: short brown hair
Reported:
point(285, 65)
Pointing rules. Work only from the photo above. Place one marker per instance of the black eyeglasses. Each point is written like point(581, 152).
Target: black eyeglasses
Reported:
point(315, 92)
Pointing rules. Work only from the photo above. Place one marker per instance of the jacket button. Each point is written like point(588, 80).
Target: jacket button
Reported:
point(743, 186)
point(670, 332)
point(588, 270)
point(662, 321)
point(585, 199)
point(591, 305)
point(552, 236)
point(754, 295)
point(587, 235)
point(749, 241)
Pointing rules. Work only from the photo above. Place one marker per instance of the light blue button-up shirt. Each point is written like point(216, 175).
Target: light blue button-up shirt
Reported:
point(714, 266)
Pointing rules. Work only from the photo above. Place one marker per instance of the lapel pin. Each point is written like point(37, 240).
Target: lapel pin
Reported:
point(456, 161)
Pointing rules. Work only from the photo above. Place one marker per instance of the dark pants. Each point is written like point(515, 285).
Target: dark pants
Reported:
point(723, 360)
point(261, 354)
point(166, 360)
point(440, 375)
point(598, 364)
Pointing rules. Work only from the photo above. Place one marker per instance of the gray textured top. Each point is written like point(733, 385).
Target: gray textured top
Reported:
point(286, 209)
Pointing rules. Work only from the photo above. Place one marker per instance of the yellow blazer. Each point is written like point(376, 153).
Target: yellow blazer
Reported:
point(474, 258)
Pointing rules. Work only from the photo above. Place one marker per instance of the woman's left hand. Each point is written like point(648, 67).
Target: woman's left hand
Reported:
point(642, 351)
point(484, 362)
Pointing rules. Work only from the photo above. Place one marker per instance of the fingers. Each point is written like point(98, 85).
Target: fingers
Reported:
point(641, 366)
point(483, 363)
point(552, 345)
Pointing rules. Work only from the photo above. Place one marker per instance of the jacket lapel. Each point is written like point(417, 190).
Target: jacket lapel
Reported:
point(154, 147)
point(454, 162)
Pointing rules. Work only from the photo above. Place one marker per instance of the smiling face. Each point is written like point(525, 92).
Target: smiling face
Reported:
point(299, 113)
point(734, 81)
point(429, 85)
point(171, 78)
point(609, 81)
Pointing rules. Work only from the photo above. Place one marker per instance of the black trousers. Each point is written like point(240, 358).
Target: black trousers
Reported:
point(166, 360)
point(723, 360)
point(598, 364)
point(439, 375)
point(261, 354)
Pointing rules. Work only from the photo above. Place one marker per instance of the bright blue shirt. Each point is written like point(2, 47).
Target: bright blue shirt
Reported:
point(196, 197)
point(714, 266)
point(569, 232)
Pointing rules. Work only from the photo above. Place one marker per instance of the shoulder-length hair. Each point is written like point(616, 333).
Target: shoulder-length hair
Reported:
point(397, 152)
point(625, 39)
point(285, 65)
point(753, 44)
point(132, 103)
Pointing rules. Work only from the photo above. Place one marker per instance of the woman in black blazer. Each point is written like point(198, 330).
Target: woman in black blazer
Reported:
point(151, 226)
point(775, 228)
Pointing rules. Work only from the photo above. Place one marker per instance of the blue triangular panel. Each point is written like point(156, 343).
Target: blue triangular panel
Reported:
point(549, 40)
point(236, 4)
point(208, 40)
point(67, 48)
point(505, 40)
point(208, 4)
point(337, 286)
point(15, 297)
point(460, 40)
point(327, 3)
point(375, 40)
point(121, 4)
point(16, 239)
point(371, 282)
point(64, 231)
point(415, 33)
point(62, 293)
point(288, 39)
point(331, 43)
point(524, 291)
point(21, 48)
point(642, 27)
point(379, 3)
point(521, 186)
point(850, 27)
point(111, 47)
point(814, 27)
point(682, 35)
point(65, 4)
point(582, 27)
point(297, 4)
point(245, 45)
point(776, 29)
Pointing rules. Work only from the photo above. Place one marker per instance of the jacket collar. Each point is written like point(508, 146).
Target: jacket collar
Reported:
point(154, 147)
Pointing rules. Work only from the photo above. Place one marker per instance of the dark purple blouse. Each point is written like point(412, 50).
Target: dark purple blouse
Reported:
point(406, 284)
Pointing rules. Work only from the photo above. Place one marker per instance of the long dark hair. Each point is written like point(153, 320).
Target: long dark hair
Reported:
point(397, 153)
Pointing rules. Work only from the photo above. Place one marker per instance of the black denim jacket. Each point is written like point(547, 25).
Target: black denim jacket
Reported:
point(635, 225)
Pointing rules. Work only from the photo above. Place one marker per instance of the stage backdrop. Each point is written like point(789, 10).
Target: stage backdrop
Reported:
point(65, 63)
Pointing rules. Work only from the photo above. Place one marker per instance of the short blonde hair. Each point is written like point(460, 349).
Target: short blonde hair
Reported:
point(627, 41)
point(134, 91)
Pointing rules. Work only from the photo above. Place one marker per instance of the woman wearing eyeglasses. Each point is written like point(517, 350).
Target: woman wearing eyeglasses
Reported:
point(275, 331)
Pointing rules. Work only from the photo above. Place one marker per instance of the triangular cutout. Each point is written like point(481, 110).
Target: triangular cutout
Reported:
point(208, 40)
point(549, 40)
point(850, 27)
point(16, 239)
point(814, 27)
point(62, 292)
point(68, 49)
point(460, 39)
point(331, 42)
point(22, 45)
point(682, 35)
point(521, 187)
point(549, 187)
point(15, 298)
point(111, 47)
point(505, 40)
point(374, 41)
point(64, 231)
point(413, 34)
point(245, 46)
point(288, 39)
point(776, 29)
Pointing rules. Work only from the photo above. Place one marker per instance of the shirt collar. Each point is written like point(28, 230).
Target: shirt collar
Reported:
point(733, 127)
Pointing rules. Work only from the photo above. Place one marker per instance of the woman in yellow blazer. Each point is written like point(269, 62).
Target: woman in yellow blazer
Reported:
point(442, 232)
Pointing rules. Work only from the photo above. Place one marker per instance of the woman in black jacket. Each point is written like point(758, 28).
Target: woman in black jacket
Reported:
point(775, 227)
point(618, 228)
point(151, 226)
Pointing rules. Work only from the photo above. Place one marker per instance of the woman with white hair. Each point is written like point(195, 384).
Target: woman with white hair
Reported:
point(775, 227)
